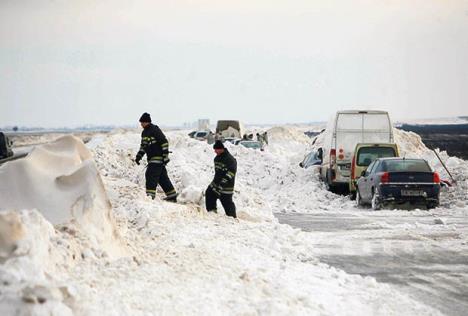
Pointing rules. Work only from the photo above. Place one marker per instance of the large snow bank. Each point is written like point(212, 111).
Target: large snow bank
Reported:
point(58, 185)
point(61, 180)
point(29, 255)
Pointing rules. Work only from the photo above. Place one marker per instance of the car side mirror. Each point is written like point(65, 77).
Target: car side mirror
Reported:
point(301, 165)
point(363, 173)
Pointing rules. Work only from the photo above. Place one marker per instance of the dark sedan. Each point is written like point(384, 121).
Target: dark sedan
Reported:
point(398, 180)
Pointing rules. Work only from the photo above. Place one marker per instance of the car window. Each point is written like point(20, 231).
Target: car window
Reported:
point(368, 170)
point(366, 155)
point(407, 165)
point(375, 167)
point(251, 144)
point(379, 167)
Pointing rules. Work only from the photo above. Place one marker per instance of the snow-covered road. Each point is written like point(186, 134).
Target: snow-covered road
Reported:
point(422, 254)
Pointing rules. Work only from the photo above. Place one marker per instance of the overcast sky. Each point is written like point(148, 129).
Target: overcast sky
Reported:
point(74, 62)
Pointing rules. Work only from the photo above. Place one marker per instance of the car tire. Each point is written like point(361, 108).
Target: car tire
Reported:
point(329, 186)
point(432, 205)
point(353, 195)
point(376, 202)
point(359, 200)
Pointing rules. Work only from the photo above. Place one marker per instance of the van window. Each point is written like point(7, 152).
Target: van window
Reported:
point(366, 155)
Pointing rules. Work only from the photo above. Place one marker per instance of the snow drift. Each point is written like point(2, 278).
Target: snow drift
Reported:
point(183, 260)
point(61, 180)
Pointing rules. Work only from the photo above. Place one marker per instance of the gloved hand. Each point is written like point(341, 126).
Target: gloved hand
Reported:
point(166, 160)
point(137, 160)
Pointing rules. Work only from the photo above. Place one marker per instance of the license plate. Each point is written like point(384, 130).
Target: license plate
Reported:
point(412, 193)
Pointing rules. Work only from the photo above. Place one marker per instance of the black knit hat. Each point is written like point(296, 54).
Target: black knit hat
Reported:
point(145, 118)
point(218, 145)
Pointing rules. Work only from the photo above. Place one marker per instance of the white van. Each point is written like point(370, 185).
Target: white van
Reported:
point(232, 129)
point(343, 132)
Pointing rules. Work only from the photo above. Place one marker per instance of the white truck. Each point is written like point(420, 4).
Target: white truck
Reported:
point(343, 132)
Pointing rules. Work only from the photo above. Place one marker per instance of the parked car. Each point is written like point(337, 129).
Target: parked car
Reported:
point(398, 180)
point(233, 140)
point(314, 158)
point(5, 146)
point(253, 144)
point(201, 135)
point(364, 155)
point(343, 132)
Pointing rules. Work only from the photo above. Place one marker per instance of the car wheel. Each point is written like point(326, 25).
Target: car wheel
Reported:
point(376, 202)
point(359, 201)
point(329, 186)
point(432, 205)
point(353, 195)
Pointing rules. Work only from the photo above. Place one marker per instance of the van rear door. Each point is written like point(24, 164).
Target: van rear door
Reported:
point(362, 127)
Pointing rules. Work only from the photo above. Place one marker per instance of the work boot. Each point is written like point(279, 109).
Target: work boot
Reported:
point(172, 199)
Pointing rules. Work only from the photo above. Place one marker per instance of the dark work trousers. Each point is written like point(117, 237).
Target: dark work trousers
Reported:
point(211, 199)
point(157, 174)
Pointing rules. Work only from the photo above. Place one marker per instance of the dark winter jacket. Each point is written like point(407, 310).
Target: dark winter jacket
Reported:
point(225, 173)
point(154, 144)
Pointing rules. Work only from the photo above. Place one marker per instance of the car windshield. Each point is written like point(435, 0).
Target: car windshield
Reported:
point(368, 154)
point(406, 165)
point(202, 134)
point(254, 145)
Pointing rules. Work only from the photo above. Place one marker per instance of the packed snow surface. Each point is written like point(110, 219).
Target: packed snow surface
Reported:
point(179, 259)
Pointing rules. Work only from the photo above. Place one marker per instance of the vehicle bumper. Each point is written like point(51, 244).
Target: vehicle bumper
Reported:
point(394, 192)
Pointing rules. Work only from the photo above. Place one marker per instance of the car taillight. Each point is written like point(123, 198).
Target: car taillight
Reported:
point(332, 156)
point(385, 177)
point(341, 154)
point(436, 178)
point(353, 168)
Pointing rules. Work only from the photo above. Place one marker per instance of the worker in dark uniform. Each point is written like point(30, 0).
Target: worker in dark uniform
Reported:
point(156, 147)
point(222, 187)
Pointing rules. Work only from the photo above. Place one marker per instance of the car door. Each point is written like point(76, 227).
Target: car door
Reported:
point(364, 183)
point(315, 161)
point(374, 177)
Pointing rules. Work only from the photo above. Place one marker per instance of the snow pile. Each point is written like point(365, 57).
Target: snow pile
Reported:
point(29, 256)
point(191, 170)
point(411, 146)
point(61, 180)
point(57, 184)
point(189, 262)
point(180, 260)
point(281, 134)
